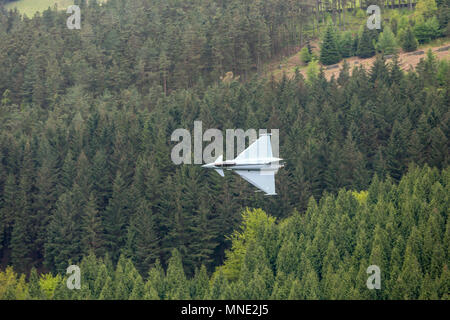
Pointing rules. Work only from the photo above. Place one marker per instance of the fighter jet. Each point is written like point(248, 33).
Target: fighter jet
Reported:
point(256, 164)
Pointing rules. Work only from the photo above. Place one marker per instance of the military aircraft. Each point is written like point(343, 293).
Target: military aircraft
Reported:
point(256, 164)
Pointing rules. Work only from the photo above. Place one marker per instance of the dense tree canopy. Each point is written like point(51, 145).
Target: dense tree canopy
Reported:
point(86, 118)
point(322, 254)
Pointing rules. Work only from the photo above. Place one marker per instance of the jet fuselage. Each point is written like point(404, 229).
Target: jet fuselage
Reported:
point(257, 164)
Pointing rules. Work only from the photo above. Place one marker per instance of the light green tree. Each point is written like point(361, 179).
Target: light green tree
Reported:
point(425, 8)
point(312, 71)
point(387, 44)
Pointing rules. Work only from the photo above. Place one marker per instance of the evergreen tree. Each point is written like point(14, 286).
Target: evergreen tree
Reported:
point(92, 230)
point(156, 286)
point(329, 50)
point(8, 209)
point(386, 42)
point(177, 285)
point(63, 245)
point(346, 45)
point(218, 287)
point(21, 241)
point(426, 30)
point(408, 40)
point(410, 278)
point(107, 292)
point(116, 218)
point(199, 284)
point(305, 55)
point(366, 47)
point(142, 238)
point(310, 287)
point(34, 287)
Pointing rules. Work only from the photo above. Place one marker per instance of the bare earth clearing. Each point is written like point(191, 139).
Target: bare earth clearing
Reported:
point(408, 60)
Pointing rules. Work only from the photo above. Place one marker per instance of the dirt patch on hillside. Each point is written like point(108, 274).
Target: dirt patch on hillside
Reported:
point(408, 60)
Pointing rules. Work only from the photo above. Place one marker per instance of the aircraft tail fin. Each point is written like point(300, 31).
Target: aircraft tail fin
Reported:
point(220, 171)
point(219, 159)
point(261, 148)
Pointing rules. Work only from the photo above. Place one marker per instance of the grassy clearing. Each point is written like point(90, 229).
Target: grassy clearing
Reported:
point(30, 7)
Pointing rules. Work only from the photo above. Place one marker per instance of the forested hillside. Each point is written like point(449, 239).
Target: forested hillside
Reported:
point(86, 118)
point(321, 254)
point(172, 44)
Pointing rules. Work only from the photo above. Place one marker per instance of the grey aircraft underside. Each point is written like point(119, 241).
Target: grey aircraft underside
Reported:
point(256, 164)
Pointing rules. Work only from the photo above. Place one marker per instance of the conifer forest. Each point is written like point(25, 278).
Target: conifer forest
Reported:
point(86, 176)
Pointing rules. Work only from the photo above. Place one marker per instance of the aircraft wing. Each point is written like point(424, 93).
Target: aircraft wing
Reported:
point(264, 182)
point(261, 148)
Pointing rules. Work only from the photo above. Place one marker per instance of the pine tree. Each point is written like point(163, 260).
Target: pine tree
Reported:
point(125, 278)
point(296, 291)
point(305, 55)
point(101, 178)
point(177, 285)
point(386, 42)
point(199, 284)
point(344, 74)
point(396, 73)
point(288, 257)
point(21, 241)
point(346, 45)
point(428, 289)
point(426, 30)
point(410, 278)
point(218, 287)
point(63, 245)
point(379, 72)
point(68, 173)
point(261, 285)
point(395, 152)
point(143, 242)
point(116, 218)
point(329, 51)
point(352, 169)
point(408, 40)
point(310, 288)
point(46, 183)
point(92, 229)
point(107, 292)
point(444, 284)
point(156, 286)
point(138, 289)
point(8, 209)
point(366, 47)
point(34, 287)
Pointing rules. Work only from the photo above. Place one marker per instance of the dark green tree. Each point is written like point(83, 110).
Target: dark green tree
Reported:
point(329, 49)
point(366, 47)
